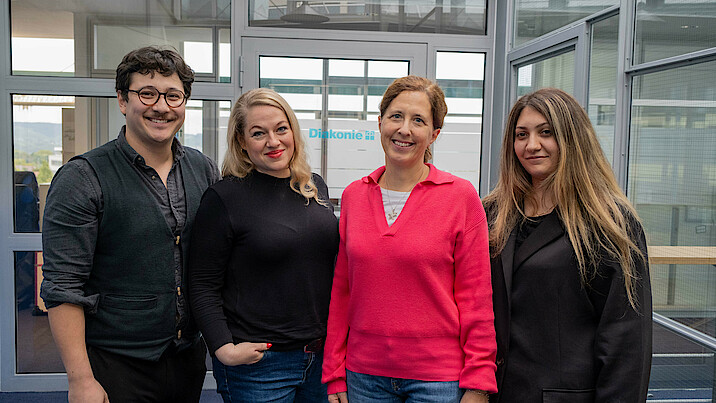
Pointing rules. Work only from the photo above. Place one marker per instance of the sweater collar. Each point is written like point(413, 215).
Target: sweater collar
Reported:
point(435, 176)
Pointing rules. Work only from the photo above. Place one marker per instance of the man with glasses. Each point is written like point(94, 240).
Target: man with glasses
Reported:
point(116, 231)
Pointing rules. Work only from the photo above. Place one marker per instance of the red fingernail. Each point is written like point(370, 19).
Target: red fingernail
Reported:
point(268, 345)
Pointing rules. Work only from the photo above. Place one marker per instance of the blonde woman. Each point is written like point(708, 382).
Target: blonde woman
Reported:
point(261, 265)
point(411, 314)
point(571, 285)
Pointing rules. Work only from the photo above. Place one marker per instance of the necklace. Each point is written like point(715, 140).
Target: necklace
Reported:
point(393, 206)
point(394, 211)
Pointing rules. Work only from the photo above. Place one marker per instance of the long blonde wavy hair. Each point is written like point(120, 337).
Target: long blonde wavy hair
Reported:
point(237, 161)
point(593, 208)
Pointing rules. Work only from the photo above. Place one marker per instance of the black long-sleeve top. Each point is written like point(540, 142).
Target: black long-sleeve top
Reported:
point(261, 263)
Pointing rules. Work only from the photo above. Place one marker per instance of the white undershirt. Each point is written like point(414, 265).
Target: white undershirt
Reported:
point(393, 203)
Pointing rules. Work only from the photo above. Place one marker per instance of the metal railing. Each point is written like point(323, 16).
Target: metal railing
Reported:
point(699, 338)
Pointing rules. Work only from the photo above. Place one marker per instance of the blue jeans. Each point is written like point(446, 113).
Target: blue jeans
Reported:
point(280, 376)
point(364, 388)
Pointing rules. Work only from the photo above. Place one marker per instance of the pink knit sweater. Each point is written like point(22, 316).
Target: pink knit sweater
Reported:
point(412, 300)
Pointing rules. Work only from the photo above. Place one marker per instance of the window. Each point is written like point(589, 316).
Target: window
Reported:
point(672, 183)
point(602, 82)
point(534, 18)
point(556, 71)
point(466, 17)
point(457, 149)
point(672, 28)
point(79, 38)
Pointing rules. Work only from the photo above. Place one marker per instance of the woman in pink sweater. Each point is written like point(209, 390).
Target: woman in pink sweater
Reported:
point(411, 310)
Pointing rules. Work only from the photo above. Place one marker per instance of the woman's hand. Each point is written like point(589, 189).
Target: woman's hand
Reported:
point(86, 390)
point(340, 397)
point(472, 397)
point(242, 353)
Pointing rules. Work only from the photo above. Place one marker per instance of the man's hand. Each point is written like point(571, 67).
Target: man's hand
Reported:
point(67, 322)
point(86, 390)
point(241, 354)
point(340, 397)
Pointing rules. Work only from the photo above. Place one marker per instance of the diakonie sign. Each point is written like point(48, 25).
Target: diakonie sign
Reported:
point(341, 135)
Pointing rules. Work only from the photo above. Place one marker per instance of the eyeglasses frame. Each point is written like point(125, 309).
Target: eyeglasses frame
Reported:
point(159, 96)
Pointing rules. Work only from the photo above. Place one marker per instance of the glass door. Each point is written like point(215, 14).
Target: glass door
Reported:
point(335, 89)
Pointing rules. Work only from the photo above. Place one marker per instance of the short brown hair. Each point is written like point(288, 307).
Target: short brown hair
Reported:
point(150, 60)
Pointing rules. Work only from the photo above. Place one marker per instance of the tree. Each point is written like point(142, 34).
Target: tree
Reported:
point(45, 174)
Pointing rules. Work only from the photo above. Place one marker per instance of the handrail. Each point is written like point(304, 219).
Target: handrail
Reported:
point(687, 332)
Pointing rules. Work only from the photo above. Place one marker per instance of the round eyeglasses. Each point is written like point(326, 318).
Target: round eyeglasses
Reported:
point(150, 96)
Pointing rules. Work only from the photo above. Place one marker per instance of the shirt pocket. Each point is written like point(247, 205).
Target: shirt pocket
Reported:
point(130, 302)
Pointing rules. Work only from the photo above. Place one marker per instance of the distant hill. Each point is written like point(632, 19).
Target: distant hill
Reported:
point(31, 137)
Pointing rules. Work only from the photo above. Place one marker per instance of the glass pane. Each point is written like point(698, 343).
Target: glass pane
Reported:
point(457, 149)
point(602, 82)
point(673, 27)
point(35, 348)
point(49, 130)
point(225, 55)
point(336, 102)
point(79, 38)
point(557, 71)
point(203, 119)
point(672, 182)
point(465, 17)
point(534, 18)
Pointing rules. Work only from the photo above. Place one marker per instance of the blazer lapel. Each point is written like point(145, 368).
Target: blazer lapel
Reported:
point(507, 255)
point(546, 232)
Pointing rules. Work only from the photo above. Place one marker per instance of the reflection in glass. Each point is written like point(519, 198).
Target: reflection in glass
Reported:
point(602, 81)
point(557, 72)
point(336, 102)
point(534, 18)
point(465, 17)
point(457, 149)
point(35, 349)
point(49, 130)
point(672, 28)
point(79, 38)
point(672, 183)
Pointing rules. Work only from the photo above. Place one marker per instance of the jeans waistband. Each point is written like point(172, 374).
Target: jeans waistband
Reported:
point(313, 346)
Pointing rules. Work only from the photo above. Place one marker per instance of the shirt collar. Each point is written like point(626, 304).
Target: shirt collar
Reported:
point(129, 152)
point(435, 176)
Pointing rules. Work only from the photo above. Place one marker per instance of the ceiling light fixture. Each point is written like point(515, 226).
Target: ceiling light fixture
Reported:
point(304, 14)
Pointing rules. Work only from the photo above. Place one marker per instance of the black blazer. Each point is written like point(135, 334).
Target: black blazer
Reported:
point(560, 341)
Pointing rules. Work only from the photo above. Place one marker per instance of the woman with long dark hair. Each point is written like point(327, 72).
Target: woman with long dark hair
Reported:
point(570, 273)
